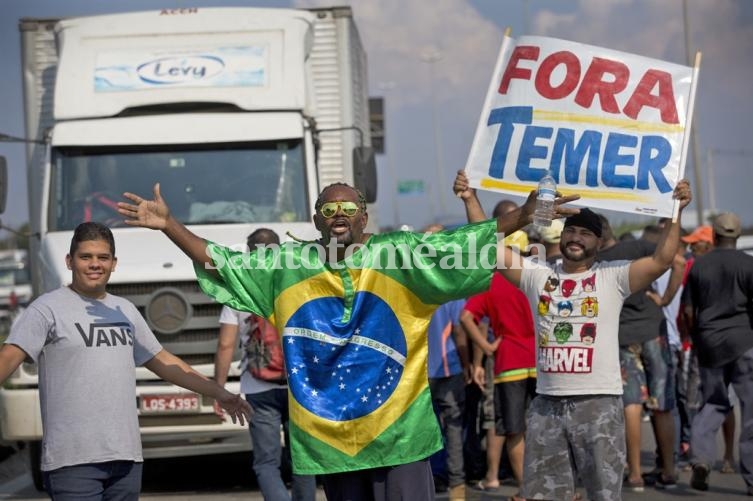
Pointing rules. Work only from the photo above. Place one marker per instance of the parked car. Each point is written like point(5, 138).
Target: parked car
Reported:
point(15, 284)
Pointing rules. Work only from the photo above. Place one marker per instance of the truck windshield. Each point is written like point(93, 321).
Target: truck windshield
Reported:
point(260, 182)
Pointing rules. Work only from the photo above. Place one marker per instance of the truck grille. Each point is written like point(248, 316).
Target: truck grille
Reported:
point(190, 326)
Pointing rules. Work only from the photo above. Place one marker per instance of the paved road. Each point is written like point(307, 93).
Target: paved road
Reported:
point(226, 478)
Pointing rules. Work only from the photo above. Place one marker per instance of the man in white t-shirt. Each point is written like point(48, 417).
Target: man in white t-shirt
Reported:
point(577, 416)
point(268, 399)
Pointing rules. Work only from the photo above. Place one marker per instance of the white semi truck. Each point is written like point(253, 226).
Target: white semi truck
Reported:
point(242, 115)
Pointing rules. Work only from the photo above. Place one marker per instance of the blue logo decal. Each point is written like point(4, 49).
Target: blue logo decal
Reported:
point(177, 70)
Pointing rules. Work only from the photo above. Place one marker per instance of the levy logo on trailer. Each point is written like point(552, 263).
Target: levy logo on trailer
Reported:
point(608, 125)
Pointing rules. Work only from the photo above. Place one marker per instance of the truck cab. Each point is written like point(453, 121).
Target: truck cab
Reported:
point(242, 115)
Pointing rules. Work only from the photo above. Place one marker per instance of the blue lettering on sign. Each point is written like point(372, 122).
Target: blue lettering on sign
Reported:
point(610, 159)
point(177, 70)
point(565, 146)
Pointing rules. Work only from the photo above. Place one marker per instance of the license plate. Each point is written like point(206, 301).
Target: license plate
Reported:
point(167, 404)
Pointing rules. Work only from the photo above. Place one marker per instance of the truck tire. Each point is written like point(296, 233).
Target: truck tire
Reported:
point(35, 458)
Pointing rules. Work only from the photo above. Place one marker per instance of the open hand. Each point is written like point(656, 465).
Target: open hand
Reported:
point(145, 213)
point(560, 211)
point(236, 407)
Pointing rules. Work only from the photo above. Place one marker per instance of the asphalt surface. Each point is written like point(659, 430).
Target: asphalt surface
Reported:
point(228, 478)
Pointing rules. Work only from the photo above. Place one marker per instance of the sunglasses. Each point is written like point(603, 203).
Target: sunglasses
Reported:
point(329, 209)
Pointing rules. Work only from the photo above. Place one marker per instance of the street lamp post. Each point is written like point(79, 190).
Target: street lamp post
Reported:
point(693, 129)
point(431, 57)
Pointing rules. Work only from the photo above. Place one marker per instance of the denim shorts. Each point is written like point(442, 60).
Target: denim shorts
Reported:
point(648, 374)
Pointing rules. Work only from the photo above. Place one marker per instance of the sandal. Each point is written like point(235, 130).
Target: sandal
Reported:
point(481, 486)
point(727, 467)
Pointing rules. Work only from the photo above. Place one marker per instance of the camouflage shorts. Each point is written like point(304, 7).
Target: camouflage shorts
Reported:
point(648, 374)
point(565, 435)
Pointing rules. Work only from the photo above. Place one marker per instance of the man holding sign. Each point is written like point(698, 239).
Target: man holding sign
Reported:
point(577, 417)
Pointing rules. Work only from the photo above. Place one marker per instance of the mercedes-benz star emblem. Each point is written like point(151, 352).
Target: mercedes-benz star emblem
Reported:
point(168, 311)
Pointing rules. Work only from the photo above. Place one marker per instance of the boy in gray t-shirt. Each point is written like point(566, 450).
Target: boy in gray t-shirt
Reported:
point(87, 344)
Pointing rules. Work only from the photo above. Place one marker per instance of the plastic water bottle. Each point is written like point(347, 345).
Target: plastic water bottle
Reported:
point(544, 212)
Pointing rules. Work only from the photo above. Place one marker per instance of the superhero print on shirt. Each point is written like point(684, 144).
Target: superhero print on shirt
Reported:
point(543, 306)
point(589, 307)
point(564, 308)
point(562, 332)
point(589, 284)
point(588, 333)
point(568, 287)
point(551, 284)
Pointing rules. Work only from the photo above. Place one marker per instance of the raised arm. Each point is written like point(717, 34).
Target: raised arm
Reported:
point(645, 270)
point(155, 214)
point(473, 210)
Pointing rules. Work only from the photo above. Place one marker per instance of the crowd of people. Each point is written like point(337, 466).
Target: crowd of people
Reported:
point(405, 351)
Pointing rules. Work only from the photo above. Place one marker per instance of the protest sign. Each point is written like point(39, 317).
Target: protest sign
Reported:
point(608, 125)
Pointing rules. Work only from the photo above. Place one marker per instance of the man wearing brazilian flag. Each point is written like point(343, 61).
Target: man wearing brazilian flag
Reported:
point(352, 309)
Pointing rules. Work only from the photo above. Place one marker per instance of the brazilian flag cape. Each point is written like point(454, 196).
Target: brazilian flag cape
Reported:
point(354, 336)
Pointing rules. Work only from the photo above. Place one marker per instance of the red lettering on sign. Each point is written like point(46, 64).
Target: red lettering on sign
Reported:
point(605, 78)
point(595, 83)
point(529, 52)
point(544, 75)
point(664, 102)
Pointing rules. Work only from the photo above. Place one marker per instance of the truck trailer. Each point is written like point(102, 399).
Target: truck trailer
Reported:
point(241, 114)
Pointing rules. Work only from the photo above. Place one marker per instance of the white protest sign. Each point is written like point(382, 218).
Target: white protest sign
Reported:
point(608, 125)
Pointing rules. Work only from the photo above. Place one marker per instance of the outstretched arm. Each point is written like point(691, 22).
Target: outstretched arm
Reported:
point(155, 214)
point(645, 270)
point(11, 356)
point(173, 369)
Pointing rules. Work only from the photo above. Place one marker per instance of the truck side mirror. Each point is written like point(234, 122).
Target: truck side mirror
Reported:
point(364, 172)
point(3, 183)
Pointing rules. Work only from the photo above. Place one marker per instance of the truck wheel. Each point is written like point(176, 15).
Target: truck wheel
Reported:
point(35, 460)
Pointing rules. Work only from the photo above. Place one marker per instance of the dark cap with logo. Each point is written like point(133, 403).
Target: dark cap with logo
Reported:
point(586, 218)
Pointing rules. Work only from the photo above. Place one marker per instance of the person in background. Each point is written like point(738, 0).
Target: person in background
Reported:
point(689, 398)
point(268, 395)
point(514, 374)
point(449, 371)
point(87, 344)
point(576, 419)
point(701, 240)
point(647, 366)
point(718, 302)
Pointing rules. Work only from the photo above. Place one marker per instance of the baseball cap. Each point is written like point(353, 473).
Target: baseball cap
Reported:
point(586, 218)
point(727, 224)
point(701, 234)
point(551, 234)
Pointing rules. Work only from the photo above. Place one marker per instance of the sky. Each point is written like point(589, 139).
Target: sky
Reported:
point(431, 60)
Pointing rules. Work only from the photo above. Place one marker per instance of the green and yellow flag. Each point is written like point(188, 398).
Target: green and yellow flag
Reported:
point(354, 336)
